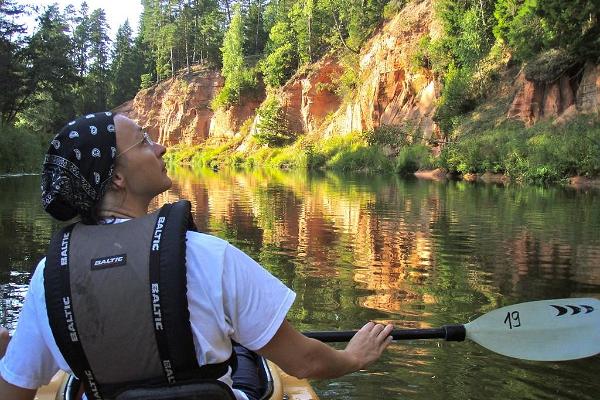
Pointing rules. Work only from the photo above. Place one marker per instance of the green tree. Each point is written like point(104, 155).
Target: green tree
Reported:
point(272, 127)
point(238, 78)
point(52, 74)
point(282, 58)
point(125, 69)
point(530, 27)
point(97, 81)
point(81, 39)
point(13, 82)
point(254, 29)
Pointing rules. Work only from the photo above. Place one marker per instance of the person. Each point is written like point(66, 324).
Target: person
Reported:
point(105, 170)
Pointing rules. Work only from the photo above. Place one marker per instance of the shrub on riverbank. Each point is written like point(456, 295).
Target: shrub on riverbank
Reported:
point(20, 150)
point(542, 153)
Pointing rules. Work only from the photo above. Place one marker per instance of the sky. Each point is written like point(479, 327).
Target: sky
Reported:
point(117, 11)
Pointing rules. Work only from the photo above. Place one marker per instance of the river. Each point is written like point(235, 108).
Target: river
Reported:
point(355, 248)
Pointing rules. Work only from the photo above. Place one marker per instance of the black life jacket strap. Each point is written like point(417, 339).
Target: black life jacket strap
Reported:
point(57, 285)
point(168, 291)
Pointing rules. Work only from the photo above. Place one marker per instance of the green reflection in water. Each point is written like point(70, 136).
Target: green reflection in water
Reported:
point(358, 248)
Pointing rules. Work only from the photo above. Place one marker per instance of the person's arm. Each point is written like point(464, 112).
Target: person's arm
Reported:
point(8, 391)
point(313, 359)
point(4, 339)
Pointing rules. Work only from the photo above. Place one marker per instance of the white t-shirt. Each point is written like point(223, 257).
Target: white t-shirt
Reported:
point(230, 296)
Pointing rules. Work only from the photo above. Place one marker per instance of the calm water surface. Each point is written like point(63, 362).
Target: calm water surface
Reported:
point(355, 248)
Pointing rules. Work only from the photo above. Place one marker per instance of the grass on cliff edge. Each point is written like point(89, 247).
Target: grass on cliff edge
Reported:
point(349, 152)
point(539, 154)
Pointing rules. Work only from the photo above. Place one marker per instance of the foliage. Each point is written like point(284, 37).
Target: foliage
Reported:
point(456, 100)
point(146, 81)
point(530, 27)
point(238, 78)
point(20, 150)
point(348, 80)
point(392, 8)
point(52, 75)
point(96, 87)
point(412, 158)
point(254, 28)
point(282, 59)
point(13, 83)
point(348, 153)
point(180, 33)
point(125, 70)
point(548, 65)
point(393, 136)
point(540, 154)
point(272, 128)
point(467, 39)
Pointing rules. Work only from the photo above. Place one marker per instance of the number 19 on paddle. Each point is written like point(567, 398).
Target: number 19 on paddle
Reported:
point(513, 319)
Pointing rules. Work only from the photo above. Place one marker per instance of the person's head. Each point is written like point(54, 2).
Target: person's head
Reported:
point(97, 159)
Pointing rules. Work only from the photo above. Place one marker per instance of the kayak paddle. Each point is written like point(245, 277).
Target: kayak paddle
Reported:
point(546, 330)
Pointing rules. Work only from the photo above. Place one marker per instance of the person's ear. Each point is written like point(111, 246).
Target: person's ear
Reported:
point(118, 180)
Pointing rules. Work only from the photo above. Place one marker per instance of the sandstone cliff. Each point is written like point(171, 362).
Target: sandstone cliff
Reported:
point(561, 99)
point(178, 110)
point(390, 92)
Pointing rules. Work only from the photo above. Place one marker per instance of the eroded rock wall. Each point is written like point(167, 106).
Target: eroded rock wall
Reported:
point(176, 110)
point(390, 91)
point(561, 99)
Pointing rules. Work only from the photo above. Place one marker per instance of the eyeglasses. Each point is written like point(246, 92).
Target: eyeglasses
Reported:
point(145, 138)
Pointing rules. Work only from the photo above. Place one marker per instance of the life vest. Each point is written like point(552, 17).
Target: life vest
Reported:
point(116, 298)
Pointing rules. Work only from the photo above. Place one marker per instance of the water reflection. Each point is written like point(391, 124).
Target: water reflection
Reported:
point(357, 248)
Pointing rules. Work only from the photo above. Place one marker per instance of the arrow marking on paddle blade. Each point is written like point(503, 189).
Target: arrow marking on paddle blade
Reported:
point(576, 310)
point(561, 310)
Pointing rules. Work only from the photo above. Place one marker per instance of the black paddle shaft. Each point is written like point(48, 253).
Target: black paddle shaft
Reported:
point(455, 333)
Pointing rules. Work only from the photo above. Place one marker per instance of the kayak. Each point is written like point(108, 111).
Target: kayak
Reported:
point(279, 385)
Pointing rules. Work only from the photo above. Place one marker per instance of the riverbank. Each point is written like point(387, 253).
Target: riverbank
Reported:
point(541, 154)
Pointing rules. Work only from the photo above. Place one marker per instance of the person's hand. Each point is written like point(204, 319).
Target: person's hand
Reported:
point(4, 339)
point(369, 342)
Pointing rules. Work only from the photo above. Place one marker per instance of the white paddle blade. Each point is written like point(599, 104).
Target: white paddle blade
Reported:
point(547, 330)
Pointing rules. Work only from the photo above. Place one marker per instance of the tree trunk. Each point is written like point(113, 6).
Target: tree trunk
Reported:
point(257, 25)
point(228, 10)
point(310, 56)
point(172, 63)
point(339, 29)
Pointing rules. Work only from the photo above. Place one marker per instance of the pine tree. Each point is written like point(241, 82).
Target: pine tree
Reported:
point(81, 39)
point(238, 77)
point(97, 81)
point(52, 73)
point(254, 30)
point(124, 71)
point(233, 46)
point(13, 85)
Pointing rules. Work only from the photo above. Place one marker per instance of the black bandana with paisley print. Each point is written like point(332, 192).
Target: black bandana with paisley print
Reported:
point(78, 166)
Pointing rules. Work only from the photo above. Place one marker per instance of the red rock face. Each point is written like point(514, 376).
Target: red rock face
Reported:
point(588, 94)
point(390, 91)
point(176, 110)
point(308, 98)
point(536, 100)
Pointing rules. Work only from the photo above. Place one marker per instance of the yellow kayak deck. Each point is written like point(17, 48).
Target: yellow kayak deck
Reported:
point(283, 384)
